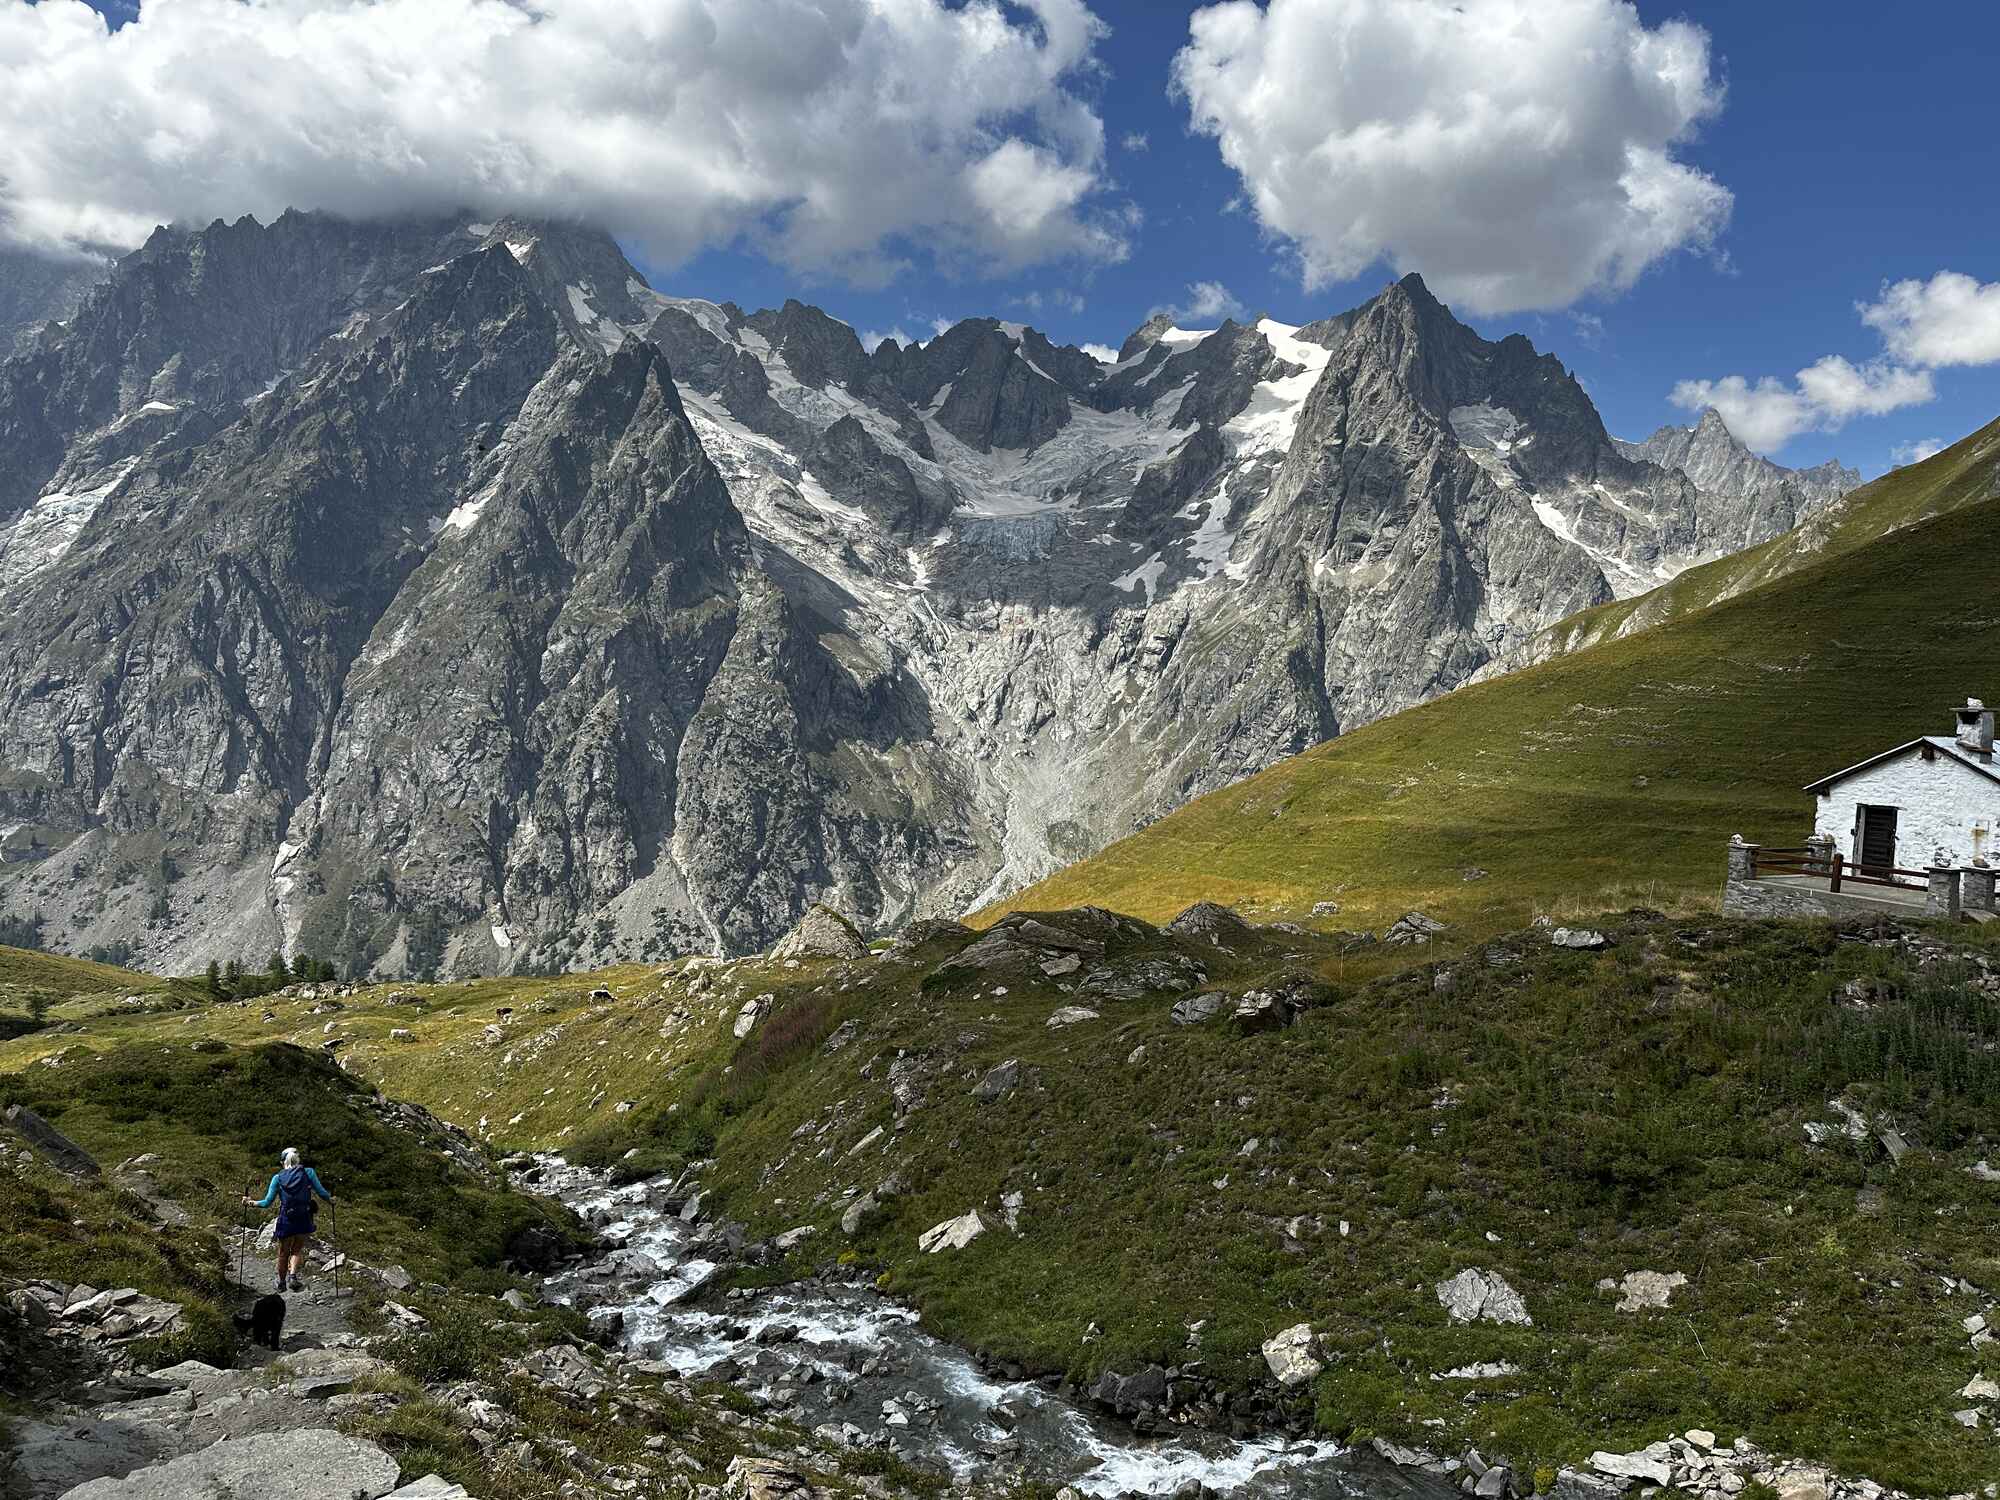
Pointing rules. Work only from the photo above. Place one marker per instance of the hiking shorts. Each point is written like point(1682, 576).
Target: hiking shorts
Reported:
point(291, 1228)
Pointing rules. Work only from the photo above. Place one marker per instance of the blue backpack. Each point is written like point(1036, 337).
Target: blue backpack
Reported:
point(295, 1195)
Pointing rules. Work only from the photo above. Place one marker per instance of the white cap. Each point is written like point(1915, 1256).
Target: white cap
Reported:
point(291, 1157)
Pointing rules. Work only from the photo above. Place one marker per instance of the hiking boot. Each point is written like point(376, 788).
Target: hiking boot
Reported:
point(298, 1284)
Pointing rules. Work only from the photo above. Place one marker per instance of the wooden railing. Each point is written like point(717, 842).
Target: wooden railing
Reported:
point(1833, 867)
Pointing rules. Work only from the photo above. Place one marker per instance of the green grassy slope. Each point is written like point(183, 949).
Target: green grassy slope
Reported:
point(1623, 768)
point(1555, 1117)
point(1966, 473)
point(24, 969)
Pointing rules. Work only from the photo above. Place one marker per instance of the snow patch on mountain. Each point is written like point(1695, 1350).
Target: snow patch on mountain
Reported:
point(1268, 423)
point(43, 533)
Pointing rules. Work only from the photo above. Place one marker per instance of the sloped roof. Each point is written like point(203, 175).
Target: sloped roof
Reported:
point(1943, 744)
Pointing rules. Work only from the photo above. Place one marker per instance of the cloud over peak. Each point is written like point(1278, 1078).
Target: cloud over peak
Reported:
point(1520, 153)
point(832, 135)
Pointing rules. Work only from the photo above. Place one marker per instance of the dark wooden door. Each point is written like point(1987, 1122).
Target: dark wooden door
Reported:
point(1878, 838)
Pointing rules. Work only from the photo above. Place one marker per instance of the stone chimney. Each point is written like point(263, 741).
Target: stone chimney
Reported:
point(1975, 728)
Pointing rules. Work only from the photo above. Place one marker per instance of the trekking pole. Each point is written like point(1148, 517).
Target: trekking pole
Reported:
point(243, 1233)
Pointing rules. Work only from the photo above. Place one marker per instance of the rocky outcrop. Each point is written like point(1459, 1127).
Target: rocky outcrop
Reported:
point(50, 1144)
point(822, 933)
point(315, 1464)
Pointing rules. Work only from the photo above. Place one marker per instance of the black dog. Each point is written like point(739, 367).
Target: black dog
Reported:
point(265, 1322)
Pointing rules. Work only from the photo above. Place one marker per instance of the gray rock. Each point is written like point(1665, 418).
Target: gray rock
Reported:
point(952, 1234)
point(1577, 937)
point(1136, 978)
point(1293, 1356)
point(1210, 923)
point(999, 1081)
point(1474, 1296)
point(821, 933)
point(1071, 1015)
point(51, 1145)
point(1259, 1010)
point(313, 1464)
point(1412, 927)
point(1653, 1464)
point(1197, 1009)
point(1644, 1289)
point(430, 1487)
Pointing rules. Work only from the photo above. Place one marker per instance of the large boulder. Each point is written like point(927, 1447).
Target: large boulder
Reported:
point(1208, 922)
point(999, 952)
point(952, 1234)
point(764, 1479)
point(926, 930)
point(314, 1464)
point(1293, 1355)
point(1196, 1009)
point(50, 1144)
point(822, 933)
point(1260, 1010)
point(1000, 1080)
point(1474, 1296)
point(1653, 1464)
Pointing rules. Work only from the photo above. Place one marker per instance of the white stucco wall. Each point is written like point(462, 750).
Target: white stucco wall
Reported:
point(1941, 803)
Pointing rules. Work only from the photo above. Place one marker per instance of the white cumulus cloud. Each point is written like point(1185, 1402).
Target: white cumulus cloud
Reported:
point(1519, 153)
point(832, 135)
point(1207, 303)
point(1823, 397)
point(1915, 451)
point(1949, 320)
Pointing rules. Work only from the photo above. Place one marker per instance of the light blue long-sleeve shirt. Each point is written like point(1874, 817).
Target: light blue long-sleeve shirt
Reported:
point(271, 1192)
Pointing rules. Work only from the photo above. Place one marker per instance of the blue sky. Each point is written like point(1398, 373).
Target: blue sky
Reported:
point(1855, 147)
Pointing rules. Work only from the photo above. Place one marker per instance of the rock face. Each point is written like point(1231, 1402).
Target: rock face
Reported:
point(438, 598)
point(1769, 498)
point(35, 289)
point(316, 1464)
point(49, 1143)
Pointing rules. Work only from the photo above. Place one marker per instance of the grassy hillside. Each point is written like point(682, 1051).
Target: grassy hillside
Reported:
point(24, 969)
point(1623, 768)
point(1551, 1116)
point(1966, 473)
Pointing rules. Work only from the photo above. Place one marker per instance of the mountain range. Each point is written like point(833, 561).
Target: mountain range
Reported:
point(437, 596)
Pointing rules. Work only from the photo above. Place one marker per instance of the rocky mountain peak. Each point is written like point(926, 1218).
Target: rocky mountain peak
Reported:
point(1771, 497)
point(467, 604)
point(1145, 336)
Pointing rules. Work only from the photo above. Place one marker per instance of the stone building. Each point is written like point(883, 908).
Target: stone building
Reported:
point(1934, 800)
point(1913, 826)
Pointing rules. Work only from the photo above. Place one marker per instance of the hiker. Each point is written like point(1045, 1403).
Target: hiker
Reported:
point(292, 1186)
